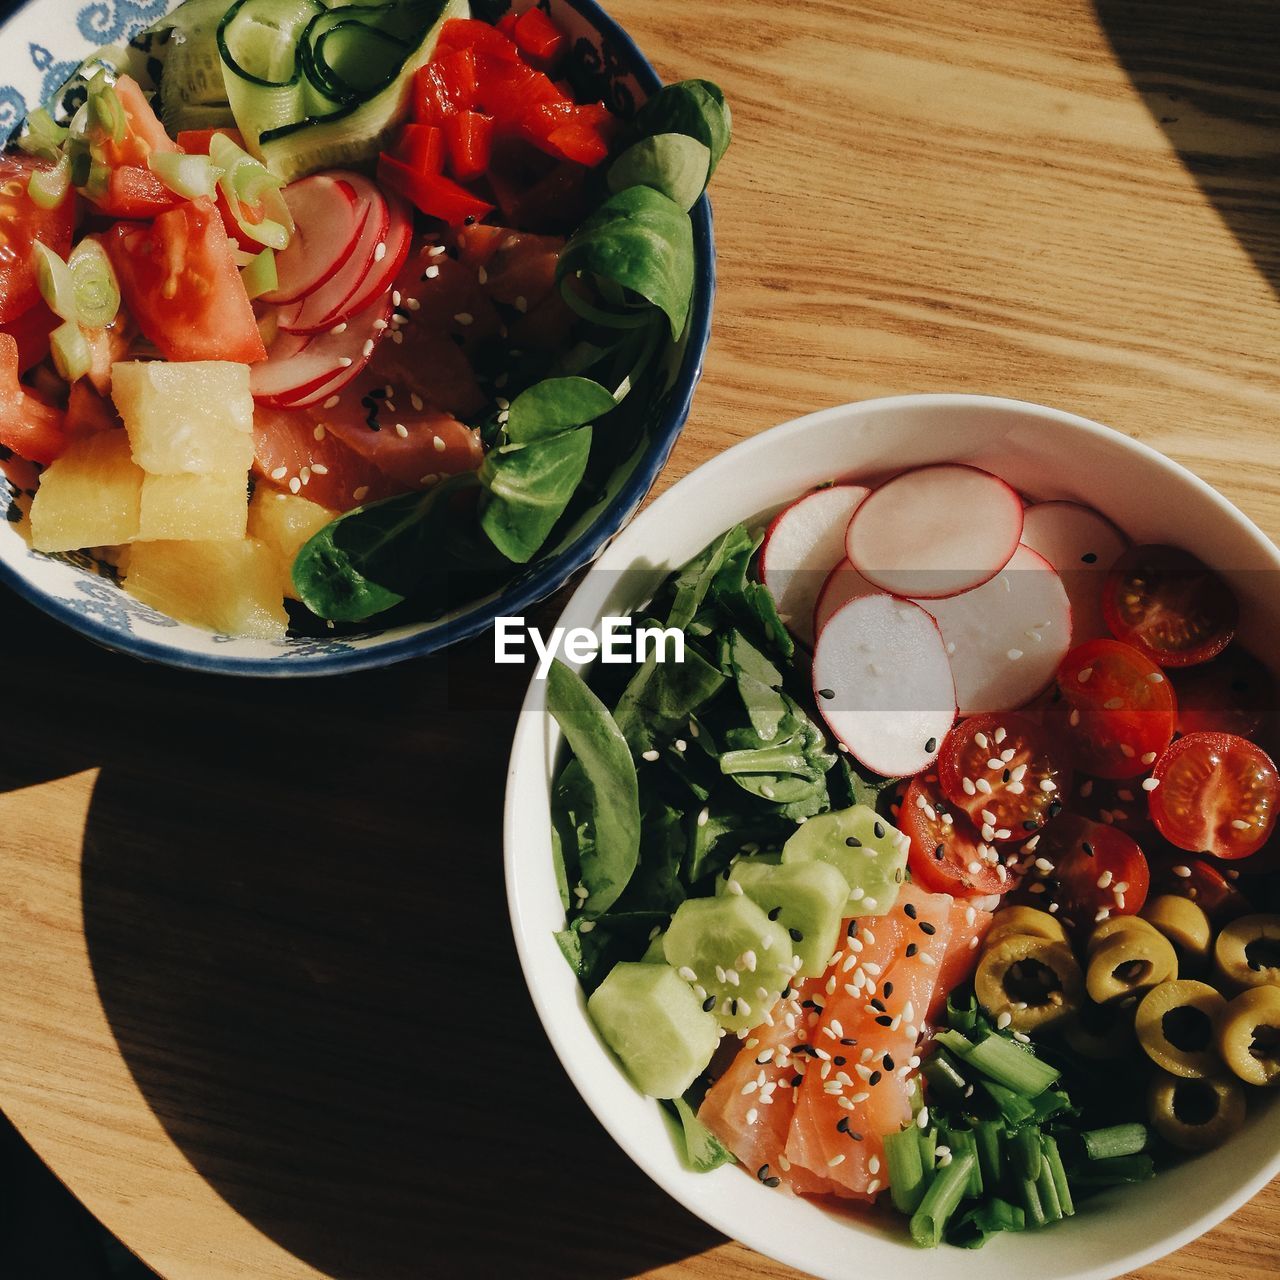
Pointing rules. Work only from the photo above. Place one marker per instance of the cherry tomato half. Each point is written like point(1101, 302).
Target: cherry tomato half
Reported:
point(1173, 871)
point(1094, 869)
point(1005, 772)
point(1216, 794)
point(1113, 707)
point(1234, 693)
point(1169, 605)
point(947, 855)
point(1116, 802)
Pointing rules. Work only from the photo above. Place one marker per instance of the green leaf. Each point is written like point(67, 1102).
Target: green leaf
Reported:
point(643, 241)
point(673, 163)
point(528, 486)
point(693, 582)
point(374, 557)
point(554, 405)
point(592, 951)
point(703, 1150)
point(611, 791)
point(693, 107)
point(661, 697)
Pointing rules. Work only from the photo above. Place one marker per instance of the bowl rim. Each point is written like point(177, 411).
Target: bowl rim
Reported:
point(529, 748)
point(529, 587)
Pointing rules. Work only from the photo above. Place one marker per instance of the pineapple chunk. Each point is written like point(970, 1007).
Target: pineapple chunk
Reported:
point(284, 523)
point(192, 508)
point(192, 416)
point(89, 497)
point(229, 587)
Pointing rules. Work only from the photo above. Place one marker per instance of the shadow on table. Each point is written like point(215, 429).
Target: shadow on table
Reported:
point(294, 909)
point(1210, 75)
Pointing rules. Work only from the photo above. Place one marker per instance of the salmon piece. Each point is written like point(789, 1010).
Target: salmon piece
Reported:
point(969, 926)
point(432, 444)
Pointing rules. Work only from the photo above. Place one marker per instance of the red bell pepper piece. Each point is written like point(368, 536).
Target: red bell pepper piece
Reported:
point(458, 74)
point(421, 147)
point(436, 196)
point(581, 143)
point(471, 33)
point(507, 23)
point(469, 138)
point(431, 104)
point(538, 38)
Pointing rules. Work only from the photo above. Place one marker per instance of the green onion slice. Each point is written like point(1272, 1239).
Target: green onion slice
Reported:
point(97, 293)
point(70, 351)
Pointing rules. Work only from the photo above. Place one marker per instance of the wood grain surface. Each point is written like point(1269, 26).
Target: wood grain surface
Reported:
point(259, 1006)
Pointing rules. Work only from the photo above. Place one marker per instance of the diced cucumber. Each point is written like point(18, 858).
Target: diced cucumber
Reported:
point(650, 1017)
point(806, 898)
point(869, 852)
point(730, 949)
point(654, 954)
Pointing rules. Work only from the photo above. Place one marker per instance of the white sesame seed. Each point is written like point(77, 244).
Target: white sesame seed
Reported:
point(873, 1165)
point(430, 273)
point(1126, 750)
point(1149, 757)
point(319, 432)
point(367, 349)
point(279, 473)
point(1048, 784)
point(995, 764)
point(1014, 654)
point(703, 815)
point(345, 362)
point(319, 469)
point(984, 786)
point(522, 304)
point(402, 431)
point(464, 317)
point(1004, 1019)
point(294, 484)
point(981, 740)
point(339, 328)
point(1239, 824)
point(379, 326)
point(361, 493)
point(967, 785)
point(1104, 880)
point(1084, 675)
point(380, 252)
point(1150, 784)
point(922, 1119)
point(649, 755)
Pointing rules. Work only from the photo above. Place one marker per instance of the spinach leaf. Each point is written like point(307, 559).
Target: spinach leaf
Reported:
point(643, 241)
point(592, 952)
point(673, 163)
point(656, 886)
point(693, 107)
point(661, 697)
point(611, 792)
point(850, 783)
point(554, 405)
point(759, 684)
point(749, 602)
point(528, 486)
point(732, 820)
point(702, 1149)
point(374, 557)
point(693, 582)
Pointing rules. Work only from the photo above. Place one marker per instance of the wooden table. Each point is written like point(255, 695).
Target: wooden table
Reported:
point(259, 1007)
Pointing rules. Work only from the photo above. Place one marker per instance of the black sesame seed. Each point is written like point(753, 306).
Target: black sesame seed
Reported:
point(733, 1007)
point(857, 1137)
point(898, 876)
point(842, 1125)
point(839, 1060)
point(469, 220)
point(939, 850)
point(826, 693)
point(888, 990)
point(884, 1020)
point(1087, 847)
point(775, 913)
point(797, 1081)
point(762, 1172)
point(709, 1003)
point(1090, 557)
point(726, 873)
point(878, 1004)
point(1006, 776)
point(927, 928)
point(911, 949)
point(848, 1040)
point(851, 929)
point(808, 1004)
point(874, 1078)
point(910, 910)
point(796, 935)
point(931, 745)
point(853, 842)
point(1055, 808)
point(1030, 824)
point(773, 1182)
point(879, 830)
point(888, 1061)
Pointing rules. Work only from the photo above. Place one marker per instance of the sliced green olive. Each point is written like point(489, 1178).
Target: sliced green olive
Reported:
point(1024, 920)
point(1036, 981)
point(1186, 926)
point(1247, 952)
point(1195, 1114)
point(1101, 1031)
point(1109, 928)
point(1249, 1036)
point(1175, 1024)
point(1130, 962)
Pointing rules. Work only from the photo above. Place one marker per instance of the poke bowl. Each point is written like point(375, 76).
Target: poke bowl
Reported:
point(80, 584)
point(811, 1216)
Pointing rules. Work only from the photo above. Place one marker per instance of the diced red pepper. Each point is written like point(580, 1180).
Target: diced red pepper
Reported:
point(458, 74)
point(554, 202)
point(581, 143)
point(510, 93)
point(507, 23)
point(195, 142)
point(538, 38)
point(421, 147)
point(471, 33)
point(469, 137)
point(431, 103)
point(436, 196)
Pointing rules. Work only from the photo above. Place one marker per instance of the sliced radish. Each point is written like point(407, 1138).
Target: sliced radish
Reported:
point(1081, 545)
point(327, 218)
point(386, 267)
point(1006, 638)
point(935, 531)
point(324, 307)
point(883, 683)
point(302, 370)
point(801, 544)
point(844, 583)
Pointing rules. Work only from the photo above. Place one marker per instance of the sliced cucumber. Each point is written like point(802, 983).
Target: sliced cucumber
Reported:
point(807, 898)
point(192, 92)
point(650, 1017)
point(730, 950)
point(869, 852)
point(654, 953)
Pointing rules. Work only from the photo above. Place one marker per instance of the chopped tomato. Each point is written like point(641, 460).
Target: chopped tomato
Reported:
point(1005, 772)
point(144, 134)
point(28, 426)
point(1173, 872)
point(1113, 707)
point(106, 346)
point(1234, 693)
point(436, 196)
point(1216, 794)
point(133, 191)
point(1095, 872)
point(1168, 605)
point(180, 284)
point(538, 38)
point(87, 411)
point(24, 223)
point(31, 332)
point(947, 855)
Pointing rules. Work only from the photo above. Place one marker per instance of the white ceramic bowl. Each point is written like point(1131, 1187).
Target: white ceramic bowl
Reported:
point(1045, 454)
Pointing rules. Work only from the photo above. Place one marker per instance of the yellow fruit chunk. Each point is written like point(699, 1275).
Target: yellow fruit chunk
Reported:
point(192, 416)
point(89, 496)
point(284, 522)
point(229, 587)
point(193, 508)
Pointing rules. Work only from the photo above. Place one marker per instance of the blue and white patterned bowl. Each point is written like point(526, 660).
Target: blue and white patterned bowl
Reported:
point(41, 44)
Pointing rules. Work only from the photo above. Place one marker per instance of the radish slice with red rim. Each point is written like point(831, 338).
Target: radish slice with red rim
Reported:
point(801, 544)
point(384, 271)
point(328, 216)
point(883, 683)
point(935, 531)
point(843, 583)
point(1006, 638)
point(1082, 545)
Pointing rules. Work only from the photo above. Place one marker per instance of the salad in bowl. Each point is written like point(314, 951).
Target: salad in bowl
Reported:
point(934, 887)
point(336, 317)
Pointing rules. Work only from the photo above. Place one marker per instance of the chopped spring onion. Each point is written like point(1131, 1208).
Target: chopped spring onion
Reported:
point(97, 293)
point(106, 117)
point(1024, 1154)
point(988, 1219)
point(1002, 1061)
point(97, 181)
point(252, 193)
point(48, 187)
point(56, 283)
point(1030, 1195)
point(941, 1201)
point(1053, 1162)
point(987, 1138)
point(943, 1078)
point(43, 137)
point(1112, 1172)
point(1119, 1140)
point(70, 351)
point(259, 276)
point(1013, 1106)
point(962, 1141)
point(1048, 1193)
point(907, 1171)
point(187, 176)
